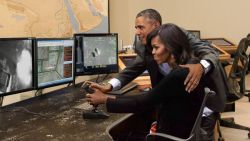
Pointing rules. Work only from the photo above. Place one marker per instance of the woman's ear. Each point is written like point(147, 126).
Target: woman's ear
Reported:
point(172, 60)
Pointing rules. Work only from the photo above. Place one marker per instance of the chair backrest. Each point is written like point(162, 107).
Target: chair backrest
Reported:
point(195, 130)
point(235, 81)
point(121, 125)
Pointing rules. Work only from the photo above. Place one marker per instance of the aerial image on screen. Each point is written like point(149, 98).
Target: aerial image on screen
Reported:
point(54, 61)
point(16, 67)
point(96, 54)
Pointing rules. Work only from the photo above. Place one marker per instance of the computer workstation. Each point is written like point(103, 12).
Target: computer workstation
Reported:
point(95, 54)
point(53, 63)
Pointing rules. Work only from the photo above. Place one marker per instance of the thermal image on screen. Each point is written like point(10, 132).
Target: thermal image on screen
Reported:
point(54, 61)
point(16, 65)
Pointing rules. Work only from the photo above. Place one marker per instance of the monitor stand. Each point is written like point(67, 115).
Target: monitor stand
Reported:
point(71, 84)
point(39, 92)
point(94, 114)
point(1, 101)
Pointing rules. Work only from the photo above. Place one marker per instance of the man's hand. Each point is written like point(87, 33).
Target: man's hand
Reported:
point(103, 88)
point(96, 98)
point(194, 76)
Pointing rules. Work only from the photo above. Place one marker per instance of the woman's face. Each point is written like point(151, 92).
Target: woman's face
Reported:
point(160, 52)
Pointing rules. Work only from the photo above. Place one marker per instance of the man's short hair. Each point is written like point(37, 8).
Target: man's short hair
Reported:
point(151, 14)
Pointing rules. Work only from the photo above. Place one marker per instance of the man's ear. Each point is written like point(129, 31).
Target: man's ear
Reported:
point(156, 24)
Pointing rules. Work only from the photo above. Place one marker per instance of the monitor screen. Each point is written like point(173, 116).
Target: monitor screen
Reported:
point(54, 61)
point(16, 65)
point(96, 53)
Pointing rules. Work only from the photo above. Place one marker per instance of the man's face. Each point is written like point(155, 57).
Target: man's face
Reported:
point(143, 27)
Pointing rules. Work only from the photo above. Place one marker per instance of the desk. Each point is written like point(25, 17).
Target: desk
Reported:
point(223, 43)
point(224, 56)
point(61, 122)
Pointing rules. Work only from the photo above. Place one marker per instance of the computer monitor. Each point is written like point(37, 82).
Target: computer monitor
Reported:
point(16, 65)
point(96, 53)
point(54, 61)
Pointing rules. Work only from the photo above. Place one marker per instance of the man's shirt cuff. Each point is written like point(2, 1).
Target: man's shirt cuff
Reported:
point(116, 84)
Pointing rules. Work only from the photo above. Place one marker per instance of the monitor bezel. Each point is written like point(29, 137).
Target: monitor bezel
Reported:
point(73, 64)
point(96, 35)
point(33, 65)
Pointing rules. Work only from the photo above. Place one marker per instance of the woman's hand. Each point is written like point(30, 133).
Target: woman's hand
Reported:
point(97, 97)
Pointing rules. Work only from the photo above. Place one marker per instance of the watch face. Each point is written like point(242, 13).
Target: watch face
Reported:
point(204, 63)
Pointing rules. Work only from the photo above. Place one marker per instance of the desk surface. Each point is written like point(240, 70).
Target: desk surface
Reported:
point(58, 121)
point(224, 44)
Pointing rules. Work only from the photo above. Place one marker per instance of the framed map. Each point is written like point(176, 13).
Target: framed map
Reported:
point(53, 18)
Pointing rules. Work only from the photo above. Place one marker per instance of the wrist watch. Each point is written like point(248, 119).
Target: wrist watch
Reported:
point(205, 65)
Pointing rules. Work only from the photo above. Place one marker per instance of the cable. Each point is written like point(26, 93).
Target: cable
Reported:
point(106, 75)
point(96, 80)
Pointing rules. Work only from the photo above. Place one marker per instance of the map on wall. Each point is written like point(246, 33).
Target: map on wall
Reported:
point(52, 18)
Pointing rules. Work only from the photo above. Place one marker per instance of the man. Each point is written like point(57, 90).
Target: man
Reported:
point(145, 22)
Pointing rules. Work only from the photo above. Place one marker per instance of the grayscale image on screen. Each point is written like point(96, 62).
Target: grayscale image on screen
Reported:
point(15, 65)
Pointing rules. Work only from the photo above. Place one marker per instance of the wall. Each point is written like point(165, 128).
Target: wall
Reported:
point(214, 18)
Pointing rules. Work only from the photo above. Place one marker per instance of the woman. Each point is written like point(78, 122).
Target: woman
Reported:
point(176, 108)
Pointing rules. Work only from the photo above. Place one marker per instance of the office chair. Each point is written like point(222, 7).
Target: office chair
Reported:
point(130, 127)
point(235, 84)
point(195, 130)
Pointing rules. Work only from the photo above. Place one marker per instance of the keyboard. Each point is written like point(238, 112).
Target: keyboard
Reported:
point(124, 89)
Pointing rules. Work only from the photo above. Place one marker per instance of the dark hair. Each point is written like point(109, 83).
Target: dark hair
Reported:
point(151, 14)
point(175, 39)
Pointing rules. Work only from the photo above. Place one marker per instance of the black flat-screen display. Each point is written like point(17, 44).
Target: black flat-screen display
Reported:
point(54, 61)
point(16, 65)
point(96, 53)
